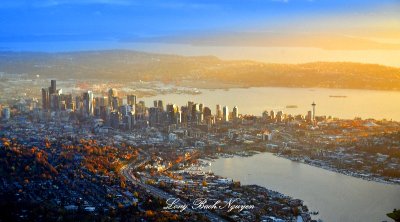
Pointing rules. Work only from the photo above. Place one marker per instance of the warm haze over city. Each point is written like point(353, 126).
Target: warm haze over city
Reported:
point(200, 110)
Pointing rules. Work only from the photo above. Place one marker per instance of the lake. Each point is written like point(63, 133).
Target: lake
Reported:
point(337, 197)
point(345, 103)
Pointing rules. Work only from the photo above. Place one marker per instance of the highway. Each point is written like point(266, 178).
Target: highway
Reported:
point(127, 173)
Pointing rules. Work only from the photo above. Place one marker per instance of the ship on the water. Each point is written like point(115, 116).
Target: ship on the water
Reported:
point(337, 96)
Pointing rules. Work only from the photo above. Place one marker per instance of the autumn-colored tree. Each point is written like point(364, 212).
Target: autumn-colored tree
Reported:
point(149, 213)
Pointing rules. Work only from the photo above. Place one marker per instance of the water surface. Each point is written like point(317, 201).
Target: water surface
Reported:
point(356, 103)
point(337, 197)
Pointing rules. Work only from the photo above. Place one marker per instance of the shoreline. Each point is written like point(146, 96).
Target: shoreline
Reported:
point(203, 162)
point(251, 153)
point(341, 171)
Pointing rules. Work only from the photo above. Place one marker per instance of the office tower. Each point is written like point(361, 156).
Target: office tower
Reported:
point(201, 107)
point(153, 116)
point(279, 116)
point(235, 112)
point(115, 103)
point(207, 115)
point(129, 121)
point(172, 112)
point(69, 103)
point(53, 87)
point(97, 103)
point(160, 105)
point(189, 110)
point(200, 117)
point(309, 116)
point(178, 117)
point(131, 100)
point(100, 101)
point(184, 114)
point(62, 105)
point(6, 113)
point(51, 97)
point(87, 98)
point(115, 117)
point(194, 112)
point(88, 102)
point(103, 112)
point(140, 110)
point(142, 103)
point(54, 101)
point(272, 114)
point(79, 103)
point(45, 99)
point(197, 114)
point(313, 109)
point(125, 109)
point(207, 112)
point(201, 113)
point(218, 112)
point(265, 115)
point(111, 94)
point(225, 111)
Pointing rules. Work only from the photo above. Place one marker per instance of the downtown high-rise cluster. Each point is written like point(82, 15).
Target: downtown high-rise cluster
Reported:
point(111, 110)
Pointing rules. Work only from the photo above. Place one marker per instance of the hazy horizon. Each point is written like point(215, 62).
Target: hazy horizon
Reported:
point(272, 31)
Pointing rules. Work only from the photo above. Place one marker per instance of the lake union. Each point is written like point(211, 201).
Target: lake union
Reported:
point(337, 197)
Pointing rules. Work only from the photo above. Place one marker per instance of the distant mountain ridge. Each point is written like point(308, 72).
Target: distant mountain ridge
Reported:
point(123, 65)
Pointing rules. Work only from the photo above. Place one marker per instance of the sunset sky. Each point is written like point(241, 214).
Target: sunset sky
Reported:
point(267, 30)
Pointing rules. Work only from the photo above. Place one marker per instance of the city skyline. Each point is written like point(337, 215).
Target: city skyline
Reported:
point(199, 110)
point(78, 154)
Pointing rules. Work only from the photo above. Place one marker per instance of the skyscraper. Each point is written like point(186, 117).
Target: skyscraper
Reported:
point(309, 116)
point(45, 99)
point(272, 114)
point(88, 102)
point(160, 105)
point(53, 86)
point(178, 117)
point(78, 103)
point(235, 112)
point(153, 116)
point(54, 101)
point(207, 112)
point(313, 109)
point(172, 113)
point(265, 115)
point(131, 100)
point(225, 111)
point(115, 118)
point(218, 112)
point(125, 109)
point(115, 103)
point(189, 110)
point(279, 116)
point(111, 93)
